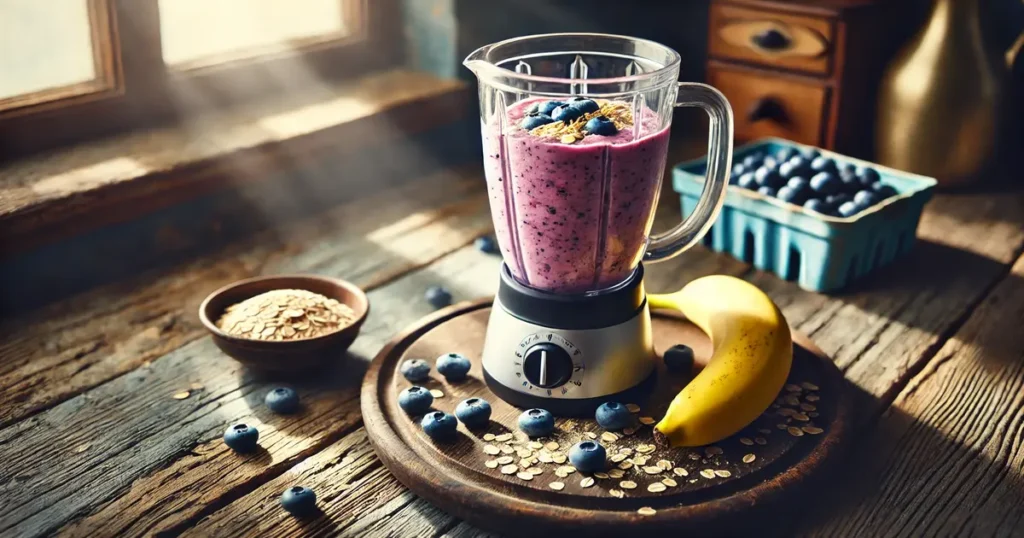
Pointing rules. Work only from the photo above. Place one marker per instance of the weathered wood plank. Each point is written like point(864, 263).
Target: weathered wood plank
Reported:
point(948, 457)
point(64, 349)
point(884, 329)
point(118, 438)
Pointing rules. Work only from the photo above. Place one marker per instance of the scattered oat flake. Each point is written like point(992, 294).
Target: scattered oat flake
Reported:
point(492, 450)
point(544, 457)
point(646, 511)
point(633, 408)
point(561, 474)
point(626, 450)
point(793, 388)
point(646, 420)
point(646, 449)
point(524, 452)
point(813, 430)
point(656, 487)
point(749, 458)
point(625, 465)
point(679, 471)
point(601, 476)
point(590, 435)
point(523, 475)
point(81, 448)
point(505, 460)
point(181, 395)
point(801, 417)
point(616, 473)
point(808, 385)
point(781, 426)
point(813, 414)
point(808, 407)
point(509, 469)
point(536, 445)
point(505, 449)
point(812, 397)
point(436, 393)
point(747, 441)
point(558, 458)
point(794, 431)
point(616, 493)
point(707, 473)
point(500, 438)
point(491, 464)
point(723, 473)
point(196, 386)
point(665, 465)
point(669, 482)
point(569, 469)
point(640, 460)
point(557, 486)
point(792, 400)
point(618, 457)
point(629, 431)
point(653, 469)
point(488, 437)
point(765, 431)
point(693, 456)
point(535, 471)
point(551, 445)
point(586, 482)
point(627, 484)
point(609, 437)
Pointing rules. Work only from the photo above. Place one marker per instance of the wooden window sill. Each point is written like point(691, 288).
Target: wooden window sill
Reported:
point(54, 195)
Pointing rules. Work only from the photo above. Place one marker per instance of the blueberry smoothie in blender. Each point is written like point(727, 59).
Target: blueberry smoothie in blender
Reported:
point(573, 198)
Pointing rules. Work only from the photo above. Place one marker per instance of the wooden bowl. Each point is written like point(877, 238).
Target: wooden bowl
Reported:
point(285, 356)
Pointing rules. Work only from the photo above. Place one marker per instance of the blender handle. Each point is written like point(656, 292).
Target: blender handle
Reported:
point(687, 233)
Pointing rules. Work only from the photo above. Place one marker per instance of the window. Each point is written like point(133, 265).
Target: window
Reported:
point(73, 69)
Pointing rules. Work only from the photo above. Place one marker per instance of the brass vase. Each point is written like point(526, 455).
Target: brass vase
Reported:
point(941, 99)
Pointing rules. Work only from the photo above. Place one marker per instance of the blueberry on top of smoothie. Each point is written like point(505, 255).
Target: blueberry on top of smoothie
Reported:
point(586, 106)
point(547, 107)
point(535, 120)
point(566, 113)
point(600, 126)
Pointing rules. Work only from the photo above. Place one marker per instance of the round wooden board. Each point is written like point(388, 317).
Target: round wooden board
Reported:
point(453, 475)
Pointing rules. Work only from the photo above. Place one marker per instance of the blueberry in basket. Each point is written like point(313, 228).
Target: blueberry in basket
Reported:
point(536, 422)
point(786, 154)
point(738, 169)
point(868, 176)
point(849, 209)
point(819, 206)
point(747, 181)
point(767, 191)
point(752, 161)
point(768, 177)
point(613, 416)
point(884, 191)
point(866, 198)
point(415, 400)
point(823, 164)
point(473, 412)
point(826, 183)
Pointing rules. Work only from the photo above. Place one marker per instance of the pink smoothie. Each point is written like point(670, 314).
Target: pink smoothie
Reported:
point(571, 218)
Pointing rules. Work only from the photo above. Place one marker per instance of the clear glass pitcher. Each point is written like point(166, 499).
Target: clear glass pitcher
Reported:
point(575, 130)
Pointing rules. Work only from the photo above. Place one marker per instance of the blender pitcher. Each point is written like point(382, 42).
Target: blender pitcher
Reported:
point(573, 192)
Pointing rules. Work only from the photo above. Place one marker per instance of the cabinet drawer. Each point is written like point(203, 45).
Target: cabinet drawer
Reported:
point(770, 106)
point(796, 42)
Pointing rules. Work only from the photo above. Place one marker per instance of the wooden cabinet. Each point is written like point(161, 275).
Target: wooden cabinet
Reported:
point(804, 70)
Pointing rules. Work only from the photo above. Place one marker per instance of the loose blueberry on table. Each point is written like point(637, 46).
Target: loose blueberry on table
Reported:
point(613, 416)
point(453, 366)
point(486, 244)
point(415, 369)
point(282, 400)
point(536, 422)
point(588, 457)
point(439, 425)
point(679, 358)
point(438, 297)
point(298, 501)
point(242, 438)
point(473, 412)
point(415, 400)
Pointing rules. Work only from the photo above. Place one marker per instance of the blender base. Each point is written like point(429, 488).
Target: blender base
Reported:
point(570, 408)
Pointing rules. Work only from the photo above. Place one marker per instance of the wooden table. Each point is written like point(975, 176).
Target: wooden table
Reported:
point(93, 444)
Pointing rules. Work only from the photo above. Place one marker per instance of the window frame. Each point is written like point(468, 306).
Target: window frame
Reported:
point(134, 88)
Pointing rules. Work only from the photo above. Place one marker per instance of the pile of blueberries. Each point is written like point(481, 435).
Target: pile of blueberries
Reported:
point(809, 179)
point(569, 111)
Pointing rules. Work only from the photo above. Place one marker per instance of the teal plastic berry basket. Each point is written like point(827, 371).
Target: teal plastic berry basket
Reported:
point(819, 252)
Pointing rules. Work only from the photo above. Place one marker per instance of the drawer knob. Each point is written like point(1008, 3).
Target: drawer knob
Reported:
point(770, 39)
point(767, 108)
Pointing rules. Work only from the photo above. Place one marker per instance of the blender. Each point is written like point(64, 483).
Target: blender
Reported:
point(575, 134)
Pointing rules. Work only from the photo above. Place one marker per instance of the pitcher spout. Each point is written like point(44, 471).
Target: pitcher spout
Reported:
point(477, 60)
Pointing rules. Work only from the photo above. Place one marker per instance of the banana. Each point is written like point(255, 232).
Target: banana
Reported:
point(751, 357)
